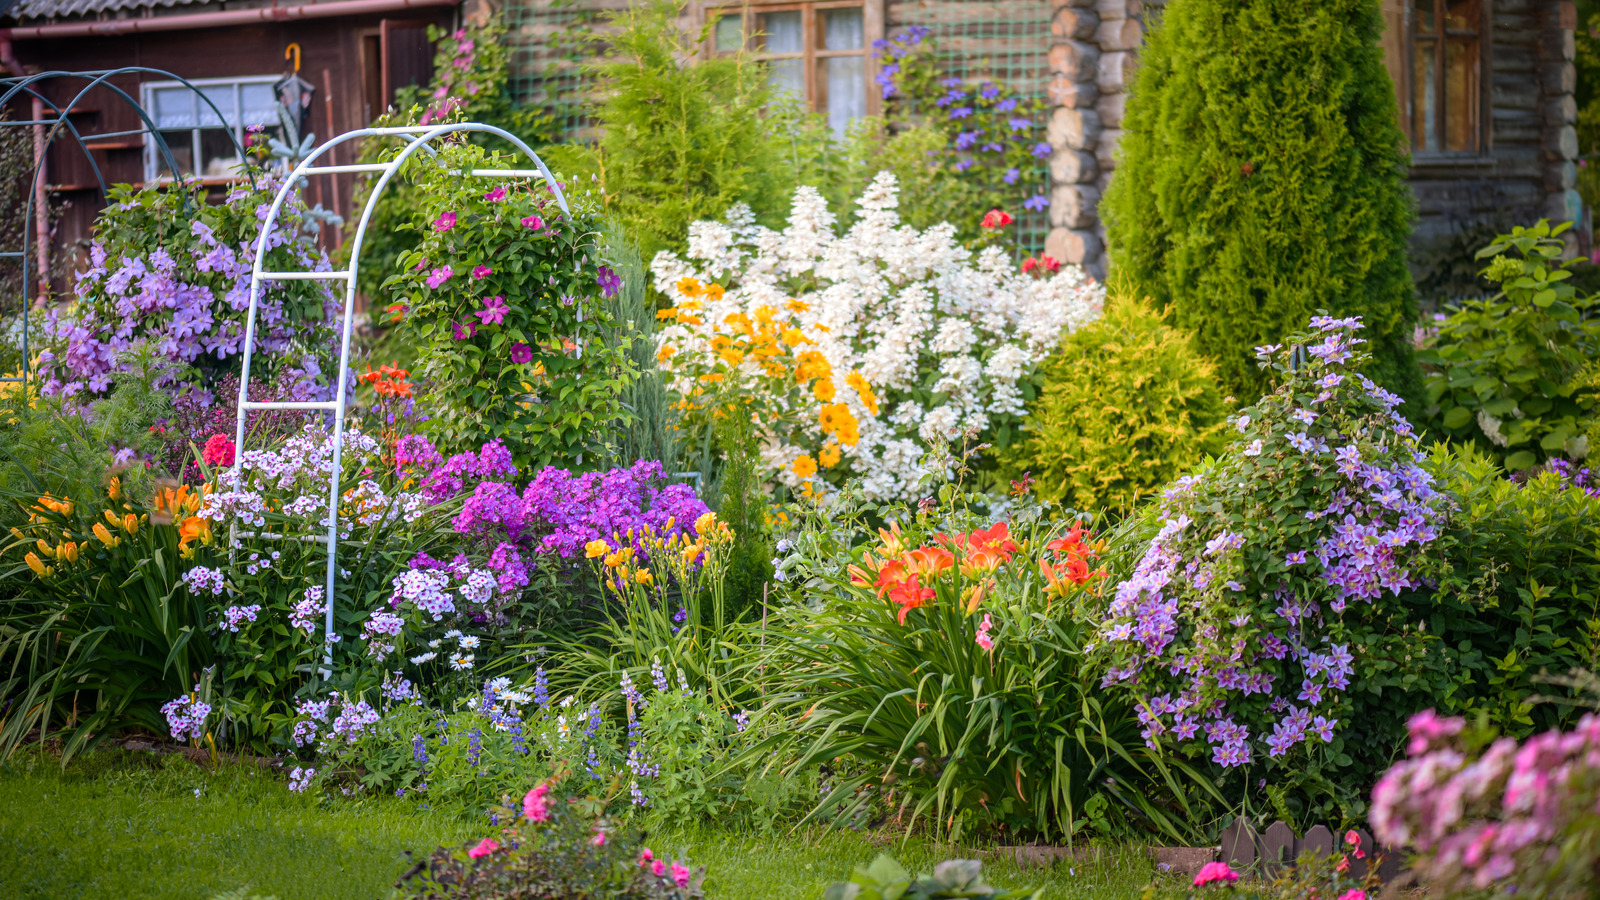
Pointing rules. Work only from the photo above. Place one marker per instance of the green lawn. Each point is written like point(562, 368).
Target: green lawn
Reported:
point(127, 826)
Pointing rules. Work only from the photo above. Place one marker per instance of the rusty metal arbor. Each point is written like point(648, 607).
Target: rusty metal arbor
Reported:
point(418, 139)
point(58, 121)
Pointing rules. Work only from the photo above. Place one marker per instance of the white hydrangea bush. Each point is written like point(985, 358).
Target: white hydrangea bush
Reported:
point(943, 334)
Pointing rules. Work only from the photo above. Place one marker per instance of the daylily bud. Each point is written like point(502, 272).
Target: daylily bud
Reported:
point(38, 566)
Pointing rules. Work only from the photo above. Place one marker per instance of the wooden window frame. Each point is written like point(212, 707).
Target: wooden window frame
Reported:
point(1483, 134)
point(872, 29)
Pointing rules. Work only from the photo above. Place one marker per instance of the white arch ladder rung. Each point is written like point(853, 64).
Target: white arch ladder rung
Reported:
point(418, 138)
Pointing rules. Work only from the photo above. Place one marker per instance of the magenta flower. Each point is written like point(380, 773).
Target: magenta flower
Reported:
point(680, 875)
point(445, 222)
point(440, 276)
point(458, 334)
point(497, 195)
point(521, 353)
point(608, 280)
point(494, 310)
point(533, 222)
point(482, 272)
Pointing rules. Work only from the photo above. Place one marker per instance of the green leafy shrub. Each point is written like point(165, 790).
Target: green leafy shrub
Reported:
point(886, 879)
point(682, 138)
point(1507, 373)
point(505, 294)
point(1124, 406)
point(1257, 185)
point(1518, 592)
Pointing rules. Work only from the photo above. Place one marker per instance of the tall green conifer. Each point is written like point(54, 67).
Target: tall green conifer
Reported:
point(1260, 179)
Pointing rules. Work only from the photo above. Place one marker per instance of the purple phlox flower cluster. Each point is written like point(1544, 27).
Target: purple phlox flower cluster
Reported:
point(300, 778)
point(238, 615)
point(308, 611)
point(399, 689)
point(380, 625)
point(1573, 477)
point(425, 590)
point(452, 477)
point(312, 713)
point(186, 717)
point(203, 580)
point(1479, 816)
point(415, 453)
point(355, 720)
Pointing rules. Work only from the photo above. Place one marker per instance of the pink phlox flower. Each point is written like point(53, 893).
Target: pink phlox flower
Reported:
point(1215, 871)
point(494, 310)
point(445, 222)
point(497, 195)
point(533, 222)
point(439, 276)
point(534, 806)
point(484, 848)
point(680, 875)
point(481, 272)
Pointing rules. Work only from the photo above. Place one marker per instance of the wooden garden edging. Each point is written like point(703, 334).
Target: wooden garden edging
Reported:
point(1273, 850)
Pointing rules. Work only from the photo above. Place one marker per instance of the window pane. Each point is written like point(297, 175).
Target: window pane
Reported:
point(1424, 16)
point(181, 143)
point(789, 76)
point(781, 32)
point(1424, 117)
point(729, 34)
point(845, 80)
point(222, 96)
point(1461, 15)
point(216, 148)
point(260, 106)
point(842, 29)
point(1461, 96)
point(172, 107)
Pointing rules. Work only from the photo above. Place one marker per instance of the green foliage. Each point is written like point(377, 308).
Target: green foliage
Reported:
point(1260, 179)
point(1518, 593)
point(542, 376)
point(886, 879)
point(1125, 405)
point(1506, 372)
point(654, 433)
point(683, 138)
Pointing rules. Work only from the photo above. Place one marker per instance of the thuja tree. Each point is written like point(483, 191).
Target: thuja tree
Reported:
point(1260, 179)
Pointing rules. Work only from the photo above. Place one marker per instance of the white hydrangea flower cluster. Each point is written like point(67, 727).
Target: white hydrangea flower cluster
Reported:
point(941, 333)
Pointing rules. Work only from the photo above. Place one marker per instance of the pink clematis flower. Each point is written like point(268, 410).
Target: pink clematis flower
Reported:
point(439, 276)
point(533, 222)
point(1215, 871)
point(460, 335)
point(484, 848)
point(445, 222)
point(521, 353)
point(482, 272)
point(680, 875)
point(497, 195)
point(534, 806)
point(494, 310)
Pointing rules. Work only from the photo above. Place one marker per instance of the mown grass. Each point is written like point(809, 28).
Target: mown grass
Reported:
point(126, 826)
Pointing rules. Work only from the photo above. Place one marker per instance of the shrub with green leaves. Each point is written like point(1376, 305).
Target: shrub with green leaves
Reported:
point(1260, 179)
point(1124, 406)
point(1507, 373)
point(1518, 593)
point(506, 296)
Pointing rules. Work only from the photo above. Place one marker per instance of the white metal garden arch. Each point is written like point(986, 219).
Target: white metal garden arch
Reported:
point(418, 139)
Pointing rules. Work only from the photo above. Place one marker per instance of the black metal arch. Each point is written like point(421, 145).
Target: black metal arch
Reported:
point(25, 85)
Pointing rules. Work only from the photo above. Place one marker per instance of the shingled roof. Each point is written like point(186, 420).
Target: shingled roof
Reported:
point(40, 10)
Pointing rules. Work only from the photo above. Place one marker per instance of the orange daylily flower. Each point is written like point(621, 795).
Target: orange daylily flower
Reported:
point(910, 594)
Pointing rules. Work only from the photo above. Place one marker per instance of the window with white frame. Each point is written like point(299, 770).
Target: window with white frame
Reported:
point(202, 142)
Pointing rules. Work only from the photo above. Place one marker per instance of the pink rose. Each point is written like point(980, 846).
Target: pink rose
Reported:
point(680, 875)
point(484, 848)
point(1354, 894)
point(658, 868)
point(645, 856)
point(534, 806)
point(1215, 871)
